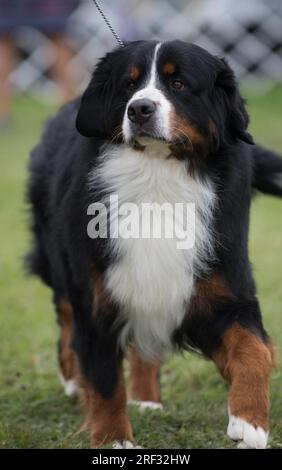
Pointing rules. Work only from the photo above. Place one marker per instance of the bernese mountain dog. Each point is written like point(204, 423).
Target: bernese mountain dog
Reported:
point(161, 123)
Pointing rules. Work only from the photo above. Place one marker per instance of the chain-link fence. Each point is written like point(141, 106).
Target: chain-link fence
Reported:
point(248, 33)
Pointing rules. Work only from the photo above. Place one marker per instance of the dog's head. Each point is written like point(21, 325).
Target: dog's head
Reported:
point(172, 91)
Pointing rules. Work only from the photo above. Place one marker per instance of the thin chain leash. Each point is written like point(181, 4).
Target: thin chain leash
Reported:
point(120, 42)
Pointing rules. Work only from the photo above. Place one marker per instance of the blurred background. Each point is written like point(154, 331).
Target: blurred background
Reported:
point(48, 48)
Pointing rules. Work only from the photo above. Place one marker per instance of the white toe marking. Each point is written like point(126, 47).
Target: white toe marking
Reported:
point(70, 386)
point(146, 405)
point(249, 436)
point(124, 445)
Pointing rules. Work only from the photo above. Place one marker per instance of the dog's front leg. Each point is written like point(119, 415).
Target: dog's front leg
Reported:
point(106, 415)
point(100, 359)
point(144, 382)
point(245, 360)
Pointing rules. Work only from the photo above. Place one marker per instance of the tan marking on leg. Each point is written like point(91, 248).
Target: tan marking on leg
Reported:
point(134, 73)
point(143, 381)
point(209, 291)
point(169, 68)
point(106, 418)
point(66, 354)
point(213, 287)
point(246, 361)
point(101, 298)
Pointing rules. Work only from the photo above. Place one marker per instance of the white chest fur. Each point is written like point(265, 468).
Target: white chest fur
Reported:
point(153, 280)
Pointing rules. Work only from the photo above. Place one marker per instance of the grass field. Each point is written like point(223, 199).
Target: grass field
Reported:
point(34, 413)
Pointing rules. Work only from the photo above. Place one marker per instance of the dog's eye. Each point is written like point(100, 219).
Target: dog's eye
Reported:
point(177, 85)
point(130, 85)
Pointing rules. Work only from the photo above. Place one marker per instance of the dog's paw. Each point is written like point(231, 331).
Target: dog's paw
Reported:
point(70, 386)
point(146, 405)
point(124, 445)
point(248, 436)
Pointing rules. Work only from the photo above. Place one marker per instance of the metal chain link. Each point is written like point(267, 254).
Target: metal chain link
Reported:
point(120, 42)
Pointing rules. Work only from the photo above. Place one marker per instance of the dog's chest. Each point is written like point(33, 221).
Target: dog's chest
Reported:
point(153, 276)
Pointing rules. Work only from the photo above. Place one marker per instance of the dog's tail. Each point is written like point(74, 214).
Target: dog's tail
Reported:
point(267, 171)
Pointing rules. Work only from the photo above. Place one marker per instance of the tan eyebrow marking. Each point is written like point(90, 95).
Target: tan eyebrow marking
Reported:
point(169, 68)
point(135, 72)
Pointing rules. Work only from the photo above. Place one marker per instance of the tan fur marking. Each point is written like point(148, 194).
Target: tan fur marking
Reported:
point(246, 361)
point(101, 296)
point(213, 132)
point(143, 380)
point(169, 69)
point(134, 73)
point(214, 286)
point(106, 418)
point(66, 353)
point(182, 129)
point(208, 292)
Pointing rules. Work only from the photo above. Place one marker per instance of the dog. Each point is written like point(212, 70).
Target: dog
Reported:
point(159, 123)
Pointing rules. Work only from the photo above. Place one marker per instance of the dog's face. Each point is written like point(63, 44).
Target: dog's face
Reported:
point(173, 91)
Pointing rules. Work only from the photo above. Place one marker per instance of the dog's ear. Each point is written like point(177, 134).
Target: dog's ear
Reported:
point(87, 121)
point(235, 114)
point(95, 115)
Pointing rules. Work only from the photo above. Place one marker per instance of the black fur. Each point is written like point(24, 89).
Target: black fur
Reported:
point(63, 255)
point(267, 171)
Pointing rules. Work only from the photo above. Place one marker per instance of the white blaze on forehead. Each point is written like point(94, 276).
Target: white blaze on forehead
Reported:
point(150, 91)
point(153, 73)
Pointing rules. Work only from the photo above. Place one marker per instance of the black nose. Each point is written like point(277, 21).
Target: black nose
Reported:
point(141, 110)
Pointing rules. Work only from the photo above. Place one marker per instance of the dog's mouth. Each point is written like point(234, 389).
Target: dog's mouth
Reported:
point(144, 140)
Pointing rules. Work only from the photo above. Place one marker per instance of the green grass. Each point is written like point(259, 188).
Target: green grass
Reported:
point(34, 413)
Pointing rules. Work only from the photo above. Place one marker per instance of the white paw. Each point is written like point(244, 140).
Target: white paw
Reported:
point(146, 405)
point(248, 436)
point(124, 445)
point(70, 386)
